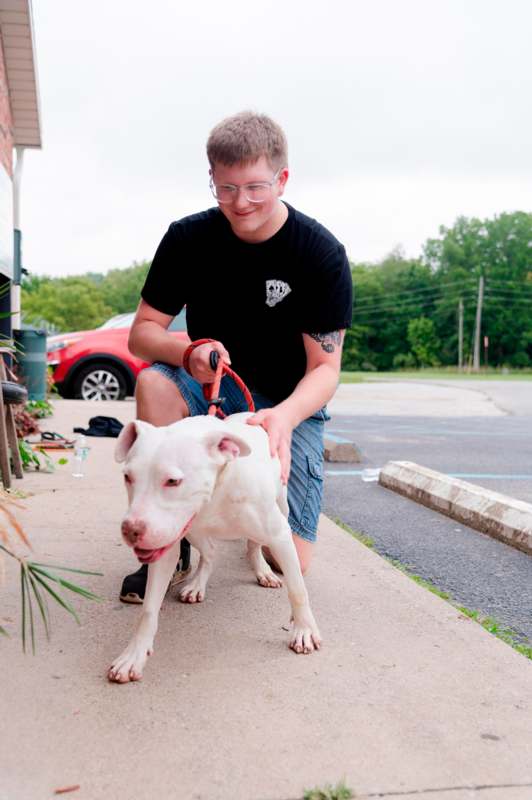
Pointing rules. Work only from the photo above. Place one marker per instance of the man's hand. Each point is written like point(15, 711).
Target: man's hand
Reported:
point(279, 431)
point(199, 362)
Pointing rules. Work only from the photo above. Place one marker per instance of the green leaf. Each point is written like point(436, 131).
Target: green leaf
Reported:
point(67, 585)
point(30, 607)
point(66, 569)
point(62, 602)
point(3, 631)
point(7, 551)
point(41, 601)
point(23, 596)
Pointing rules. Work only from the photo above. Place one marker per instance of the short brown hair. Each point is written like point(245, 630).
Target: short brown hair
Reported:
point(244, 138)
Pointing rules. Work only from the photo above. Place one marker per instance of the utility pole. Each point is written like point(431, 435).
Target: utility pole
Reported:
point(460, 334)
point(478, 322)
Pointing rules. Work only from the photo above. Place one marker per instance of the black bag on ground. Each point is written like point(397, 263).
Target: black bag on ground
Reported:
point(101, 426)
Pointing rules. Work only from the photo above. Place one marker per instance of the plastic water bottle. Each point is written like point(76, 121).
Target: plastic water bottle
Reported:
point(81, 451)
point(369, 475)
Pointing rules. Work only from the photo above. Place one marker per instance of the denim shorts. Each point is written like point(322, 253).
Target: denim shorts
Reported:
point(305, 484)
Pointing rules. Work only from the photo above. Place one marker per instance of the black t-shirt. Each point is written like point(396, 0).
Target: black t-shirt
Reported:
point(257, 299)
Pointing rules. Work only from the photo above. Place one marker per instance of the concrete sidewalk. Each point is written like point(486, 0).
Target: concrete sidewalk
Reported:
point(406, 698)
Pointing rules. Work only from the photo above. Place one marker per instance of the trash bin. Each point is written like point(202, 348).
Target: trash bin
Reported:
point(31, 361)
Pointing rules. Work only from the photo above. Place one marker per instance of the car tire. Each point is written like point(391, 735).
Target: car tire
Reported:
point(99, 380)
point(13, 393)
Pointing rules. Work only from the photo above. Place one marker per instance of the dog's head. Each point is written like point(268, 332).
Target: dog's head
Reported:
point(170, 475)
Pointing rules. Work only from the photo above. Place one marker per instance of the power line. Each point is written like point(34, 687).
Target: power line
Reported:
point(506, 280)
point(408, 309)
point(509, 286)
point(393, 300)
point(433, 289)
point(509, 300)
point(509, 292)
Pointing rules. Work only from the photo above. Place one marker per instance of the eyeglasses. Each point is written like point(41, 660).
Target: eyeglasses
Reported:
point(257, 192)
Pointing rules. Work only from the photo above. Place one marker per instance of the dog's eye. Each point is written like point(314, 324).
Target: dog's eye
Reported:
point(128, 478)
point(172, 482)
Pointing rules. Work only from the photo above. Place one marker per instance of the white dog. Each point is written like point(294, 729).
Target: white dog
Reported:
point(190, 478)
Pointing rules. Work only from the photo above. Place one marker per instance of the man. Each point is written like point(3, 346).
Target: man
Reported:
point(273, 289)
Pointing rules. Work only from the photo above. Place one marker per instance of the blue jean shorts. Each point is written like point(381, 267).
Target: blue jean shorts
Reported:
point(305, 484)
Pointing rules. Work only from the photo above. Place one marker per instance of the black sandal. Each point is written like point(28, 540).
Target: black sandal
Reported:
point(134, 585)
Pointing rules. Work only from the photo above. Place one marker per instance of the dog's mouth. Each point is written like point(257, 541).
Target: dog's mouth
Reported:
point(148, 556)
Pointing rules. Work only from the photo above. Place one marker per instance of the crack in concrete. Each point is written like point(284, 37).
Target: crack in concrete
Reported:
point(432, 790)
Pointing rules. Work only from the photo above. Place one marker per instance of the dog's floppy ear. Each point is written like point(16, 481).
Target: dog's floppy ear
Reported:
point(226, 445)
point(127, 438)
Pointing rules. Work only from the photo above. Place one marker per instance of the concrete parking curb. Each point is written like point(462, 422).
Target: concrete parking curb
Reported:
point(498, 515)
point(339, 449)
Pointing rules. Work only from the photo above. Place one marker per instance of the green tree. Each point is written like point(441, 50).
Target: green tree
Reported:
point(499, 249)
point(121, 287)
point(387, 296)
point(73, 303)
point(423, 341)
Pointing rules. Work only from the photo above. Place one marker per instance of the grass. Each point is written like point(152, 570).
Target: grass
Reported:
point(360, 537)
point(338, 792)
point(444, 373)
point(502, 632)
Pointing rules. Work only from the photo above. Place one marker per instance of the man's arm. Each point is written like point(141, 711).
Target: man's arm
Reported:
point(316, 388)
point(324, 355)
point(150, 340)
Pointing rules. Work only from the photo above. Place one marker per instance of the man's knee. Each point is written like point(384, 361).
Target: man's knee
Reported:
point(305, 551)
point(159, 401)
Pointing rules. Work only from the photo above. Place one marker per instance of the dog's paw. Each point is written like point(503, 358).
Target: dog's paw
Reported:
point(129, 664)
point(192, 592)
point(267, 578)
point(304, 637)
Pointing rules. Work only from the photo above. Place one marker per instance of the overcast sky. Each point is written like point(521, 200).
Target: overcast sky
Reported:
point(400, 114)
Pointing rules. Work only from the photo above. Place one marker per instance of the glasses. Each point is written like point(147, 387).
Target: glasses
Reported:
point(257, 192)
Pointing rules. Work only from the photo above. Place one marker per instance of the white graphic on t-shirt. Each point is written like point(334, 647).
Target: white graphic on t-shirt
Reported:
point(275, 292)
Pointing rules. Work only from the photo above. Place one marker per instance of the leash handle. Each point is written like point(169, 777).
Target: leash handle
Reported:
point(213, 359)
point(214, 388)
point(211, 390)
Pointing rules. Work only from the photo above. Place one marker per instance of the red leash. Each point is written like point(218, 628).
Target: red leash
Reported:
point(211, 391)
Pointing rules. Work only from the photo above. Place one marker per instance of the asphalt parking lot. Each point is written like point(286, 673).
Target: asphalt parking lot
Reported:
point(492, 448)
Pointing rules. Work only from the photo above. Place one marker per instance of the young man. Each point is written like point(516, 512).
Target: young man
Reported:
point(273, 288)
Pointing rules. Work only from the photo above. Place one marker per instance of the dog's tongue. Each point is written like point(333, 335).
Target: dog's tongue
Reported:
point(149, 556)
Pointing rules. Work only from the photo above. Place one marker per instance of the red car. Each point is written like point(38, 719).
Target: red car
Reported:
point(97, 365)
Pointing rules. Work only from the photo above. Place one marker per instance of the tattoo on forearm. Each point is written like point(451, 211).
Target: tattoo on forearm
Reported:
point(328, 341)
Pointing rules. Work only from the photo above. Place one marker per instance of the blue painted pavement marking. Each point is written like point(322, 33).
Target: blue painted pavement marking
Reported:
point(329, 435)
point(343, 472)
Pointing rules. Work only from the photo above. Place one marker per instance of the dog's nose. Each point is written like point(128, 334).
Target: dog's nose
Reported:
point(133, 530)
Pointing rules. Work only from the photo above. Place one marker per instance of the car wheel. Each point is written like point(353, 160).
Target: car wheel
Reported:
point(100, 381)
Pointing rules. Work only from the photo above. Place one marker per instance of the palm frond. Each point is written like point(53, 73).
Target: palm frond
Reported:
point(61, 600)
point(41, 602)
point(66, 584)
point(15, 525)
point(65, 569)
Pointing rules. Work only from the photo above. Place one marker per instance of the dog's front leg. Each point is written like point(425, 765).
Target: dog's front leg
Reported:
point(129, 664)
point(263, 572)
point(305, 636)
point(193, 590)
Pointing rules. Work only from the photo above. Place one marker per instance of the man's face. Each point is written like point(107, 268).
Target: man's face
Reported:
point(253, 222)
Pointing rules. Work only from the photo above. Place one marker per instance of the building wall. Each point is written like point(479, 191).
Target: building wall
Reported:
point(6, 120)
